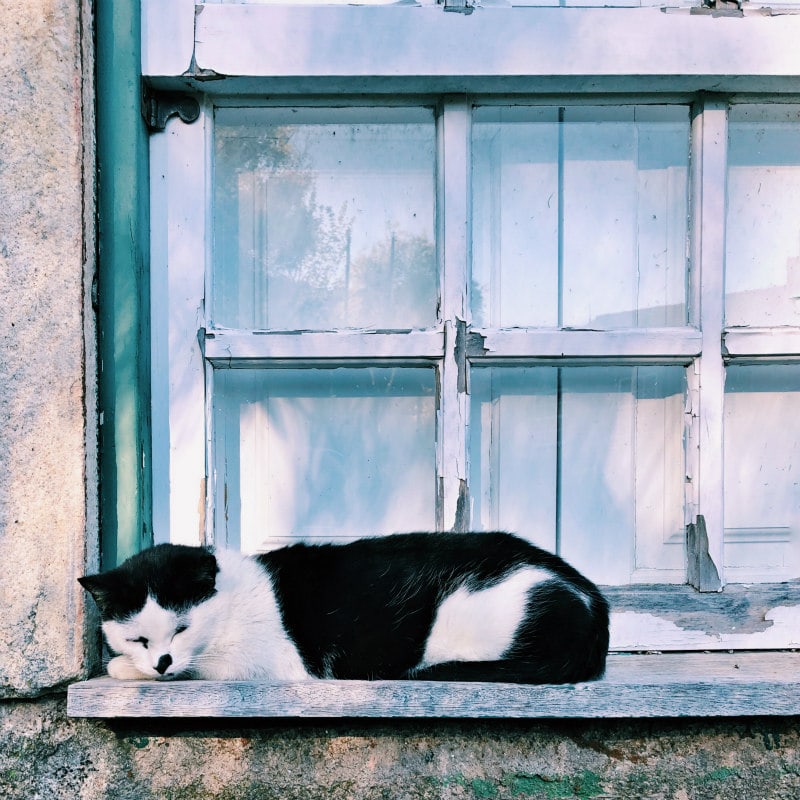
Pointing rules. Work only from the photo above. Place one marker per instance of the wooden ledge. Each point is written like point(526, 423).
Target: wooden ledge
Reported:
point(660, 685)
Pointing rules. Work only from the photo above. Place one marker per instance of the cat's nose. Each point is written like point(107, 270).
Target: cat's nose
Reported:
point(163, 663)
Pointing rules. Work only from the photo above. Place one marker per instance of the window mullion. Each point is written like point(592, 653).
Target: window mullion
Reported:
point(707, 374)
point(453, 411)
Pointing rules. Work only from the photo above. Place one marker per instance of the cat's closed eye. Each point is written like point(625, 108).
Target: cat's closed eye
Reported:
point(142, 640)
point(181, 629)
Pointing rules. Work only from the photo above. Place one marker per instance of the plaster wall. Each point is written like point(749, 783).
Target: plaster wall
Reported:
point(48, 535)
point(47, 357)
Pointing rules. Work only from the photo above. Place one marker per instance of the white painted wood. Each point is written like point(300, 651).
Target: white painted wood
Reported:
point(178, 252)
point(228, 348)
point(167, 36)
point(767, 343)
point(645, 631)
point(710, 137)
point(679, 685)
point(453, 412)
point(665, 345)
point(302, 41)
point(159, 332)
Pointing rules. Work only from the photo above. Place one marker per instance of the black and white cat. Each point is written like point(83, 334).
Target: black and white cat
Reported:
point(442, 606)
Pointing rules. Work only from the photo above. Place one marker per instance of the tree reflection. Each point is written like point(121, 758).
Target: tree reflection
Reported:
point(315, 231)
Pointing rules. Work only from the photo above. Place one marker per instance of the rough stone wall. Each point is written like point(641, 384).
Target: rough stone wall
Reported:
point(43, 755)
point(45, 254)
point(48, 533)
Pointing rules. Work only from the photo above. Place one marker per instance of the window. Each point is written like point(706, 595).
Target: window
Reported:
point(370, 365)
point(488, 289)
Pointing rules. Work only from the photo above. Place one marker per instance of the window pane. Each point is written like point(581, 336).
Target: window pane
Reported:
point(580, 216)
point(587, 461)
point(762, 264)
point(322, 453)
point(762, 472)
point(324, 219)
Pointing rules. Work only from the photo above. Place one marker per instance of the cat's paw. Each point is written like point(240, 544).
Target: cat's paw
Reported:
point(123, 669)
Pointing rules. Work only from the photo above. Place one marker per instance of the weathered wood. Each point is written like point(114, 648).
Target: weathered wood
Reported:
point(701, 571)
point(678, 685)
point(709, 174)
point(745, 343)
point(749, 617)
point(229, 348)
point(276, 40)
point(668, 345)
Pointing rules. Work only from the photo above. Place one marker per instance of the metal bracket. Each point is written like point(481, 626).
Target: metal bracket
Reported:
point(719, 8)
point(459, 6)
point(158, 107)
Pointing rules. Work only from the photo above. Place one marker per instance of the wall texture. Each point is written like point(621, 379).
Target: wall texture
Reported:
point(45, 254)
point(44, 755)
point(48, 535)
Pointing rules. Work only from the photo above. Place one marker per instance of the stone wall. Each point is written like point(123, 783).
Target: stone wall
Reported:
point(48, 536)
point(44, 755)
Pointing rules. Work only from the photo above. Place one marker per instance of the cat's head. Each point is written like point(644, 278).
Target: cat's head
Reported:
point(146, 606)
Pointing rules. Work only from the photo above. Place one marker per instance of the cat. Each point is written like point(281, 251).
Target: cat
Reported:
point(418, 606)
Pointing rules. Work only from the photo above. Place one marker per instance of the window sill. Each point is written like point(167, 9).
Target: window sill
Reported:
point(673, 685)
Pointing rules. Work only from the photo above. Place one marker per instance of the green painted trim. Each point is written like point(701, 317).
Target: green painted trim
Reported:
point(123, 285)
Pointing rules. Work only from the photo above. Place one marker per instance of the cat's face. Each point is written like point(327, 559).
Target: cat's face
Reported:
point(158, 641)
point(148, 606)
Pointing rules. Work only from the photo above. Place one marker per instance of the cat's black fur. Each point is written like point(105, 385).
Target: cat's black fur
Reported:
point(364, 610)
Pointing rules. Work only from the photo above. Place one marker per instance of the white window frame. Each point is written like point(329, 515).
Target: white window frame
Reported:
point(223, 53)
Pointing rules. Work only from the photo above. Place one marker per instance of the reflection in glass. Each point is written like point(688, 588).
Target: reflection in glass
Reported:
point(324, 219)
point(762, 262)
point(762, 472)
point(587, 461)
point(580, 216)
point(322, 453)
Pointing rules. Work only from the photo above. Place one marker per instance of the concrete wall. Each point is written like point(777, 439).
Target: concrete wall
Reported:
point(48, 533)
point(47, 512)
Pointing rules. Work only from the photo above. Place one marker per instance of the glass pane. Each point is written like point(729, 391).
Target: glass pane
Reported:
point(762, 472)
point(762, 262)
point(322, 453)
point(324, 219)
point(580, 216)
point(587, 461)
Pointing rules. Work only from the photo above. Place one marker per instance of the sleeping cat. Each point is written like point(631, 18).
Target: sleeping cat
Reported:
point(441, 606)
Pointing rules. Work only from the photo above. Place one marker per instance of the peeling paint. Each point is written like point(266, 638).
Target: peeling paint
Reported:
point(643, 631)
point(476, 345)
point(460, 354)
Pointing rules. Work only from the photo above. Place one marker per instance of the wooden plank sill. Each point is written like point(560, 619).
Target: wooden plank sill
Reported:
point(658, 685)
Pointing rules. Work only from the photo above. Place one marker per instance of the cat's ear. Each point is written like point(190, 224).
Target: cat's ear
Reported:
point(190, 575)
point(201, 573)
point(102, 589)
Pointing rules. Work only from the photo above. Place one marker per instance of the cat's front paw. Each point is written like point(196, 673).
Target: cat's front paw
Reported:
point(123, 669)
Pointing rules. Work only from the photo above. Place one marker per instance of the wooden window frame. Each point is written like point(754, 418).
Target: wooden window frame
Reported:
point(679, 57)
